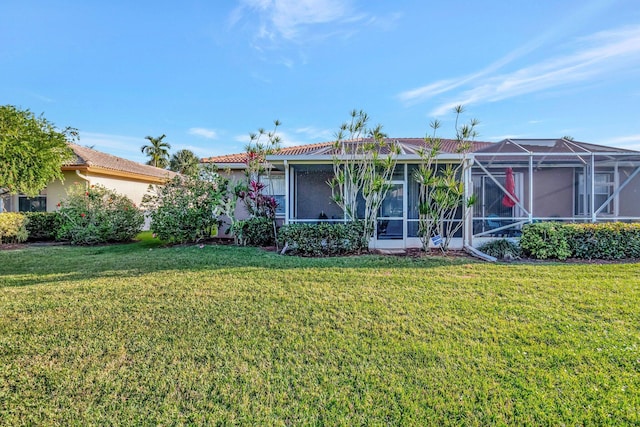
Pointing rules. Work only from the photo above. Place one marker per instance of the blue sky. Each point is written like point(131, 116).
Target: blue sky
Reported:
point(207, 73)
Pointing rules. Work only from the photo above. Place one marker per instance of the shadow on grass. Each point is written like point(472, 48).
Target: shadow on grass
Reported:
point(46, 265)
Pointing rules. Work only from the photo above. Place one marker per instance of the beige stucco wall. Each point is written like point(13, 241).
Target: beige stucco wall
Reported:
point(552, 192)
point(133, 189)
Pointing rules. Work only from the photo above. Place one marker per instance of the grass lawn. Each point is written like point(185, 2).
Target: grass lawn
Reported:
point(139, 334)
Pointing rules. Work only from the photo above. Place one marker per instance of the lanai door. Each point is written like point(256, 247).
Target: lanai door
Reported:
point(390, 232)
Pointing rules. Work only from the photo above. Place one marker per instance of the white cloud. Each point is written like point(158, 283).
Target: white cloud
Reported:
point(297, 20)
point(205, 133)
point(316, 134)
point(601, 54)
point(285, 18)
point(630, 142)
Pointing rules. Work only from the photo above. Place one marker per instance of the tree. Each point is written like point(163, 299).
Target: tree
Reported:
point(260, 145)
point(442, 192)
point(361, 170)
point(32, 151)
point(157, 150)
point(185, 162)
point(187, 208)
point(261, 207)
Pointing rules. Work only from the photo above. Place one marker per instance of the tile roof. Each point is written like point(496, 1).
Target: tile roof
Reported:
point(407, 146)
point(88, 157)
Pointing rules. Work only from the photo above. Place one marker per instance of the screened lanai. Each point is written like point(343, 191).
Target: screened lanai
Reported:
point(518, 181)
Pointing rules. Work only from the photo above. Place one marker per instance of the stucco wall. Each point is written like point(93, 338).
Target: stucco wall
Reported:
point(57, 190)
point(552, 192)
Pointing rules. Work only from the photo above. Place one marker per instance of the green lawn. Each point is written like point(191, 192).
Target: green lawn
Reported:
point(139, 334)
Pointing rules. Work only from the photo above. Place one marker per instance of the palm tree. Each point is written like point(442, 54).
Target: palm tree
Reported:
point(157, 150)
point(185, 162)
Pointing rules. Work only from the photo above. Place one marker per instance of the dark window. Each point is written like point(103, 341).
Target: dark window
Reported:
point(32, 204)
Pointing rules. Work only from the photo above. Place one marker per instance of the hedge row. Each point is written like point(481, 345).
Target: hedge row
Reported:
point(13, 228)
point(615, 240)
point(323, 239)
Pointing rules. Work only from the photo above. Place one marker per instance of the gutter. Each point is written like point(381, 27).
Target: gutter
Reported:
point(83, 177)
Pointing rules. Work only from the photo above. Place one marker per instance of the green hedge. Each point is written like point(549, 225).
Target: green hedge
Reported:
point(323, 239)
point(544, 240)
point(42, 225)
point(13, 227)
point(257, 231)
point(614, 240)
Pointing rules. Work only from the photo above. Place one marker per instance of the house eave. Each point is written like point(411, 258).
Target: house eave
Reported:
point(326, 158)
point(96, 170)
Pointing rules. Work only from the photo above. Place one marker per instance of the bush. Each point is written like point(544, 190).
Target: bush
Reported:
point(13, 228)
point(545, 240)
point(98, 215)
point(187, 209)
point(43, 225)
point(615, 240)
point(323, 239)
point(257, 231)
point(502, 249)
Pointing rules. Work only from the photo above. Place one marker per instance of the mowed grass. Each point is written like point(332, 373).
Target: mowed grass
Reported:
point(140, 334)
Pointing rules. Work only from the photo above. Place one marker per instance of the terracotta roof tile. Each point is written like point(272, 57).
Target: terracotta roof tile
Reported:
point(87, 157)
point(407, 145)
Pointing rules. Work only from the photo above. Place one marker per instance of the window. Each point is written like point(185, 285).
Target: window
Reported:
point(275, 186)
point(603, 189)
point(32, 204)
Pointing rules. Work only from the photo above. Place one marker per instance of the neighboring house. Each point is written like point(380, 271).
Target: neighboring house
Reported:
point(92, 167)
point(549, 180)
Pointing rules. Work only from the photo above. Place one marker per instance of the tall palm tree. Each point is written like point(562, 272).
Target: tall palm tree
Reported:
point(157, 150)
point(184, 162)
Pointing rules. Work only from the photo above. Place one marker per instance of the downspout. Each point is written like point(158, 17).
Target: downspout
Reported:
point(83, 177)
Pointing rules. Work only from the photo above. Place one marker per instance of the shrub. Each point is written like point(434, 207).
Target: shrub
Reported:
point(545, 240)
point(323, 239)
point(98, 215)
point(502, 249)
point(186, 209)
point(13, 228)
point(43, 225)
point(257, 231)
point(604, 241)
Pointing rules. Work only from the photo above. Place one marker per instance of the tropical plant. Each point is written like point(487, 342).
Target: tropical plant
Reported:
point(184, 162)
point(187, 208)
point(259, 204)
point(32, 151)
point(261, 144)
point(443, 204)
point(361, 170)
point(97, 215)
point(13, 227)
point(157, 150)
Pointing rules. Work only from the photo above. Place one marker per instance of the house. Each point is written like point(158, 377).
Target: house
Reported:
point(92, 167)
point(515, 181)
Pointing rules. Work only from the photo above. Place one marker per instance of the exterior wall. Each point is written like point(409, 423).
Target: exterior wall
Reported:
point(553, 190)
point(240, 211)
point(57, 190)
point(133, 189)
